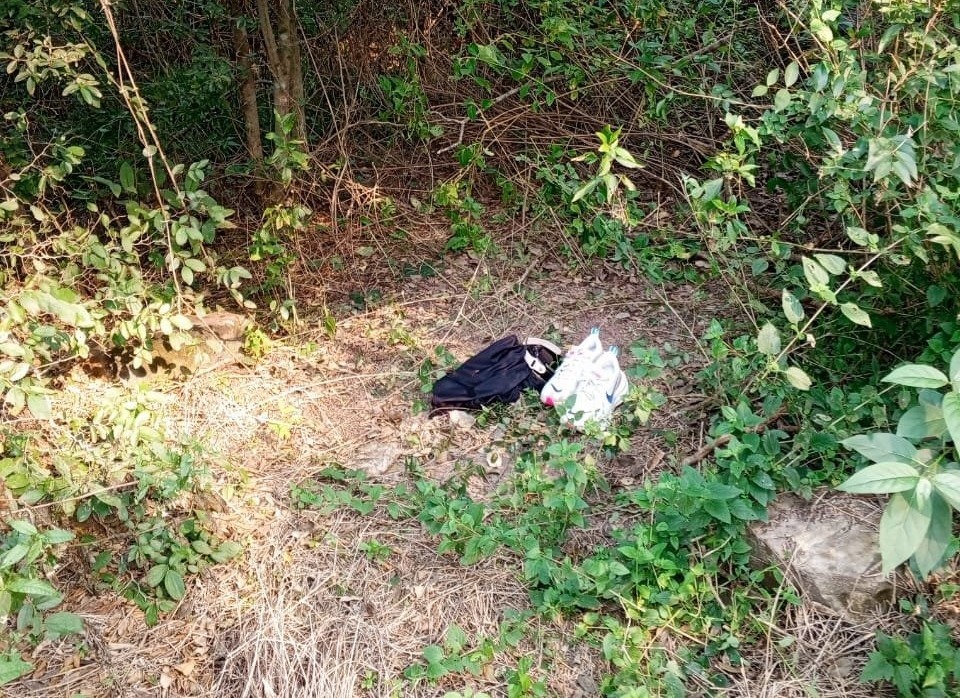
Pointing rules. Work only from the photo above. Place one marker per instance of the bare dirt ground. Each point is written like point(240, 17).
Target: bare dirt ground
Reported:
point(303, 612)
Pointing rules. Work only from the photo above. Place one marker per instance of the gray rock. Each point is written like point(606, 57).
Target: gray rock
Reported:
point(461, 419)
point(829, 549)
point(377, 458)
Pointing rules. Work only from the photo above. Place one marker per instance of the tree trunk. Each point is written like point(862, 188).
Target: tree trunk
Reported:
point(290, 53)
point(283, 57)
point(248, 83)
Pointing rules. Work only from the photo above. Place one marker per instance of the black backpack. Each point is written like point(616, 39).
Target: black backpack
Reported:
point(499, 373)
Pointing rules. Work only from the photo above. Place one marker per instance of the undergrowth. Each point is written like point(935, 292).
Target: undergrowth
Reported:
point(799, 156)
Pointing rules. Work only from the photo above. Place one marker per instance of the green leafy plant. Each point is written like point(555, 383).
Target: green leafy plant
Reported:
point(466, 215)
point(925, 663)
point(917, 467)
point(26, 594)
point(452, 658)
point(610, 153)
point(521, 684)
point(375, 550)
point(166, 558)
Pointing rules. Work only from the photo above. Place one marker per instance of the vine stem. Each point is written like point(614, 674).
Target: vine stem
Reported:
point(126, 84)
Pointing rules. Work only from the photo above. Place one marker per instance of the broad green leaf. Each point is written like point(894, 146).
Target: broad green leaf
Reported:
point(815, 273)
point(859, 236)
point(926, 396)
point(63, 623)
point(879, 159)
point(830, 15)
point(226, 551)
point(201, 546)
point(14, 349)
point(39, 406)
point(758, 91)
point(619, 569)
point(437, 671)
point(903, 526)
point(955, 371)
point(856, 314)
point(173, 583)
point(23, 527)
point(772, 77)
point(585, 189)
point(951, 415)
point(916, 376)
point(181, 322)
point(155, 575)
point(872, 278)
point(792, 308)
point(936, 295)
point(19, 371)
point(833, 139)
point(625, 158)
point(12, 668)
point(791, 74)
point(455, 639)
point(798, 378)
point(821, 30)
point(768, 340)
point(882, 478)
point(718, 509)
point(610, 182)
point(14, 555)
point(922, 422)
point(889, 35)
point(31, 587)
point(127, 180)
point(929, 555)
point(433, 654)
point(782, 99)
point(712, 188)
point(55, 536)
point(882, 447)
point(832, 263)
point(906, 171)
point(905, 165)
point(948, 485)
point(921, 493)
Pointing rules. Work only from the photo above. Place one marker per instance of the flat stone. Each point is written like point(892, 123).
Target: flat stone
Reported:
point(461, 419)
point(377, 458)
point(829, 548)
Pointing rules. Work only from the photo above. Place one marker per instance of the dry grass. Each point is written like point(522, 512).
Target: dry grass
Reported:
point(320, 616)
point(809, 651)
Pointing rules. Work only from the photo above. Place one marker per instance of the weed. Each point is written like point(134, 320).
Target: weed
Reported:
point(451, 658)
point(375, 551)
point(465, 214)
point(925, 663)
point(521, 684)
point(256, 343)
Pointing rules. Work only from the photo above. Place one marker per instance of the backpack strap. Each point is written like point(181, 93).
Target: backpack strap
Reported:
point(535, 364)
